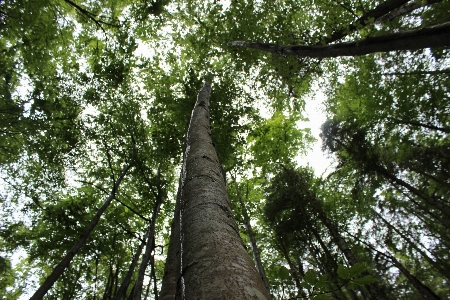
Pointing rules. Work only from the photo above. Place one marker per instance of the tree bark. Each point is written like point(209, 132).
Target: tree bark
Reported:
point(214, 264)
point(251, 235)
point(59, 269)
point(429, 37)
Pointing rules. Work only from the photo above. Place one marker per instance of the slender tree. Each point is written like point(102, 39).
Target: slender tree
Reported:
point(59, 269)
point(251, 235)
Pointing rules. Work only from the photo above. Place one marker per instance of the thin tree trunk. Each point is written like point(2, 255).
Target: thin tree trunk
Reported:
point(427, 198)
point(418, 124)
point(150, 243)
point(59, 269)
point(214, 264)
point(251, 235)
point(153, 274)
point(424, 290)
point(373, 288)
point(293, 270)
point(331, 262)
point(429, 37)
point(437, 72)
point(169, 281)
point(323, 269)
point(126, 280)
point(437, 265)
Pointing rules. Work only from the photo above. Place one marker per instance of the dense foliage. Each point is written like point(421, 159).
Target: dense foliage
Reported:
point(96, 98)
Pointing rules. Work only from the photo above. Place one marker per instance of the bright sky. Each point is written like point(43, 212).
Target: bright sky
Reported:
point(315, 158)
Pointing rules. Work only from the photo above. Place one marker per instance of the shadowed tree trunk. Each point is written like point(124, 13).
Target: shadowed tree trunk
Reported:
point(425, 291)
point(213, 261)
point(59, 269)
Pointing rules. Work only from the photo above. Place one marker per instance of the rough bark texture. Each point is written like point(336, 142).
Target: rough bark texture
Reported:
point(214, 263)
point(434, 36)
point(251, 235)
point(59, 269)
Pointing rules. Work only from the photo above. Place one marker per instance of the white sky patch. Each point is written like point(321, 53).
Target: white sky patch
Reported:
point(315, 158)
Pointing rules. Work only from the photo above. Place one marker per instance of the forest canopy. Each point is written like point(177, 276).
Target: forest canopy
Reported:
point(97, 106)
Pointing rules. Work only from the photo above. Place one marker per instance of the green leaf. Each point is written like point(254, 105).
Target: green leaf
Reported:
point(283, 273)
point(311, 277)
point(357, 269)
point(343, 272)
point(364, 280)
point(322, 282)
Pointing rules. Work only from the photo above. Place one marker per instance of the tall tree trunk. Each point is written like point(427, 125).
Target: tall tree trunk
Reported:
point(150, 243)
point(126, 280)
point(436, 203)
point(293, 270)
point(429, 37)
point(214, 264)
point(374, 290)
point(440, 266)
point(153, 274)
point(251, 235)
point(169, 281)
point(59, 269)
point(330, 266)
point(315, 253)
point(419, 124)
point(424, 291)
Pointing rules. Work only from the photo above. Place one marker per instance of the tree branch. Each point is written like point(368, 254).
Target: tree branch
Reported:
point(434, 36)
point(90, 16)
point(364, 20)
